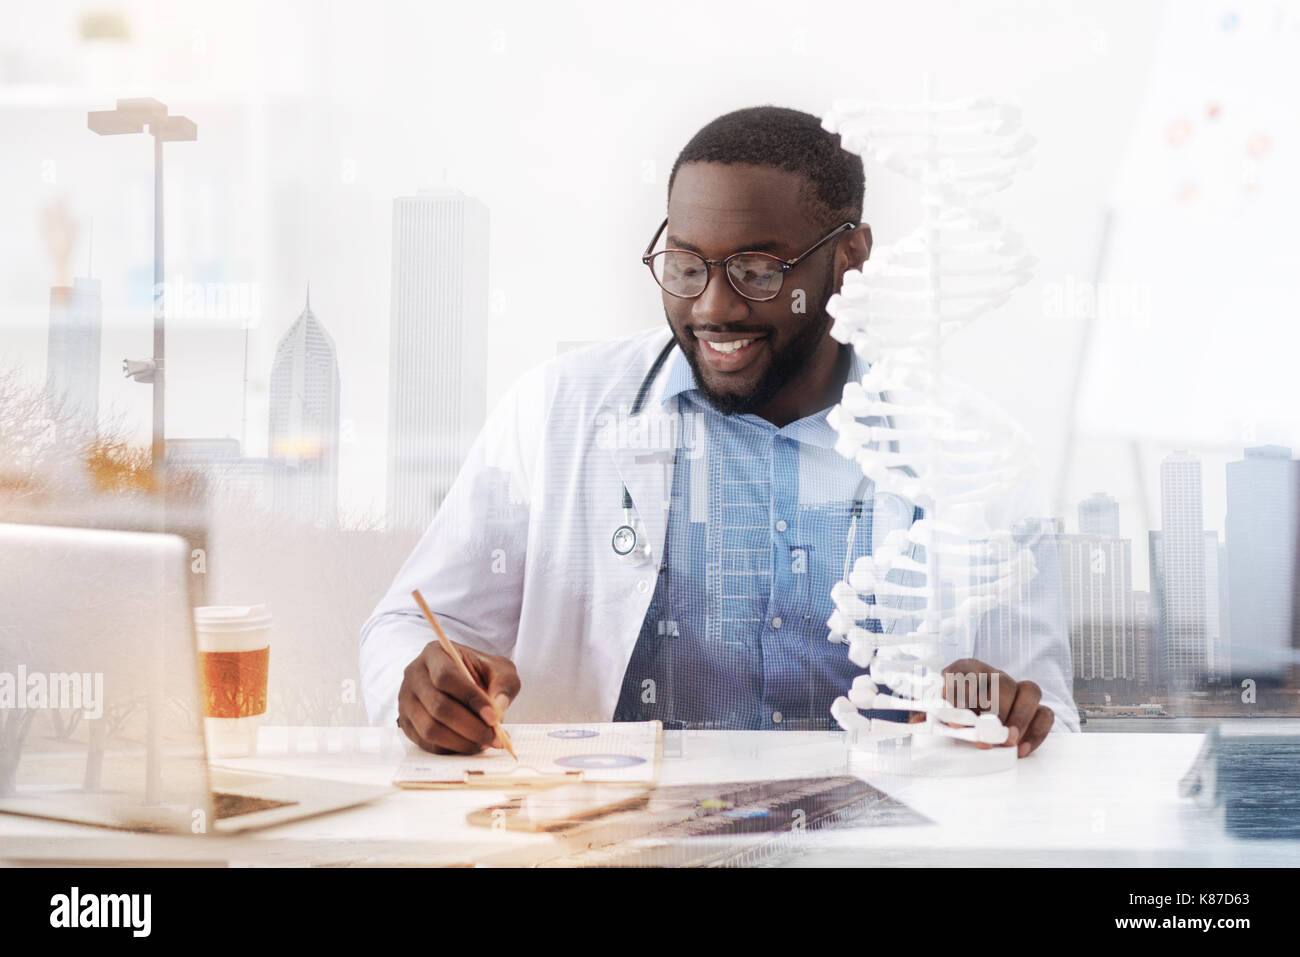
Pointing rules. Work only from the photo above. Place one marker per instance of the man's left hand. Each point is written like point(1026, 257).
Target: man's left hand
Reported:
point(1016, 703)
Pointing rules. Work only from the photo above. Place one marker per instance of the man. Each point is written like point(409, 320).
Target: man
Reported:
point(644, 531)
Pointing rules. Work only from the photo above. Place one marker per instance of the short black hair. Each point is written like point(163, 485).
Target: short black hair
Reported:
point(781, 138)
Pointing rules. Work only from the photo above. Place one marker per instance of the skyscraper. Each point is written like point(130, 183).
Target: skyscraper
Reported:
point(1260, 537)
point(1097, 580)
point(1144, 641)
point(1156, 609)
point(303, 437)
point(1184, 647)
point(437, 347)
point(72, 364)
point(1099, 515)
point(1294, 671)
point(1011, 636)
point(1213, 607)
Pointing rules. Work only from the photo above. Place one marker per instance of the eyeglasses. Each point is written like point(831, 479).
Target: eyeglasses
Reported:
point(756, 276)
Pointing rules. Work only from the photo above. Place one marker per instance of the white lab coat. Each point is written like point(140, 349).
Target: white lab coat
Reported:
point(518, 561)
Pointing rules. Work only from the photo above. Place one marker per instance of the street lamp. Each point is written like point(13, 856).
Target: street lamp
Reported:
point(132, 116)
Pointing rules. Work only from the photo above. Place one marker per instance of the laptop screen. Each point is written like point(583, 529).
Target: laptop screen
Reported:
point(98, 667)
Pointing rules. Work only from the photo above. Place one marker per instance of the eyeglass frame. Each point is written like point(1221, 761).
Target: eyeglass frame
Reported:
point(785, 264)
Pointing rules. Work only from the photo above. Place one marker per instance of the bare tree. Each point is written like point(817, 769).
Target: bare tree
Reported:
point(65, 727)
point(13, 731)
point(58, 465)
point(53, 454)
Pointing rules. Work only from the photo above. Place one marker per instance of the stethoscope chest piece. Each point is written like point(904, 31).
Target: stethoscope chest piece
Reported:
point(630, 543)
point(624, 540)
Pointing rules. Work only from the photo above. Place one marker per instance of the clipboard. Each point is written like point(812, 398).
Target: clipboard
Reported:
point(550, 755)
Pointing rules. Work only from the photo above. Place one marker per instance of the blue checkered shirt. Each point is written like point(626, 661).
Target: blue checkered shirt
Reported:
point(735, 635)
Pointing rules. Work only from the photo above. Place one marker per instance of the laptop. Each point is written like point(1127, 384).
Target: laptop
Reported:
point(101, 717)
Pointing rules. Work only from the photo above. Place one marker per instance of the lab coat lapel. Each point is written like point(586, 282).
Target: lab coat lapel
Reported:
point(644, 458)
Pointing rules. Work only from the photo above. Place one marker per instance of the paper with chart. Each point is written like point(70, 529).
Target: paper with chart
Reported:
point(624, 752)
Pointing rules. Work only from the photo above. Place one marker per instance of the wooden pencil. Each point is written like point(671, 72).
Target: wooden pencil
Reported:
point(454, 653)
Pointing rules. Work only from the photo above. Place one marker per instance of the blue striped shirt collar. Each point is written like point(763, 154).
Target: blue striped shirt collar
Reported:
point(810, 430)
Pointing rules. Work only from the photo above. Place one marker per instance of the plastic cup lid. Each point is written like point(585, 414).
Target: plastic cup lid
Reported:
point(232, 617)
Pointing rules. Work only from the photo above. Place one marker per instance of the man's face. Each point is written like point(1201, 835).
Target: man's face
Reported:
point(716, 210)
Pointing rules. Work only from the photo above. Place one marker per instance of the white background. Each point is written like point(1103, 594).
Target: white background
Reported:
point(564, 119)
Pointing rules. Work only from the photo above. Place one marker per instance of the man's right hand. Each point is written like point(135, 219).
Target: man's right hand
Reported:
point(443, 712)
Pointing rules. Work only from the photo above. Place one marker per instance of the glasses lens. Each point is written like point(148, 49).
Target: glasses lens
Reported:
point(755, 275)
point(680, 273)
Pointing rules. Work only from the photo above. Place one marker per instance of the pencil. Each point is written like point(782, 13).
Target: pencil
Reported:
point(454, 653)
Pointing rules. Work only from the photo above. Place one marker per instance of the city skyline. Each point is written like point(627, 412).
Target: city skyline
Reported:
point(298, 174)
point(1218, 610)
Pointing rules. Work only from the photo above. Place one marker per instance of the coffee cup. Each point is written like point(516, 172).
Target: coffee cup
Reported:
point(234, 656)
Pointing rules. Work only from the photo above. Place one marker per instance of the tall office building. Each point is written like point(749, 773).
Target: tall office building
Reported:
point(1223, 653)
point(1097, 580)
point(1213, 607)
point(1009, 634)
point(303, 437)
point(1186, 655)
point(72, 364)
point(1144, 643)
point(1293, 674)
point(1156, 609)
point(437, 348)
point(1260, 545)
point(1099, 515)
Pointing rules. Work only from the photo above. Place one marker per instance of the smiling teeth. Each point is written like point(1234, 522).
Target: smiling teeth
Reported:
point(726, 347)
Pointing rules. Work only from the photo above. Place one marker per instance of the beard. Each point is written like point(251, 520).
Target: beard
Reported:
point(785, 365)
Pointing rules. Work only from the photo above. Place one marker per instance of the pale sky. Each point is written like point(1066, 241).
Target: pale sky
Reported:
point(564, 120)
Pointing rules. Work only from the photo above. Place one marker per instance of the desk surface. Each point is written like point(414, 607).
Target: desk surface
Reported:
point(1091, 800)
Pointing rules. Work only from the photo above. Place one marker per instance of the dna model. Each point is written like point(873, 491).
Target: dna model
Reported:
point(921, 436)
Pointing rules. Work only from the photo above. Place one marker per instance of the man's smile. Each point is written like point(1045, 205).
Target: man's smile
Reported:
point(729, 352)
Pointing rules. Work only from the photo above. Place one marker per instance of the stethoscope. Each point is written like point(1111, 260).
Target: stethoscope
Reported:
point(630, 542)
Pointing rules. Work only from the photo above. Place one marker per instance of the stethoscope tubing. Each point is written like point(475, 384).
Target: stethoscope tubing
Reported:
point(626, 540)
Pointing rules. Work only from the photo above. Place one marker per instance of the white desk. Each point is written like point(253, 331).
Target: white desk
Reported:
point(1085, 799)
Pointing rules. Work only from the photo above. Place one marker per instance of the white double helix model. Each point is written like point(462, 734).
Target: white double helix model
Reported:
point(917, 434)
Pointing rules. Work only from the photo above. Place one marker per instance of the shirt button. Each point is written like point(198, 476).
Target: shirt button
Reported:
point(643, 586)
point(776, 717)
point(776, 622)
point(781, 526)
